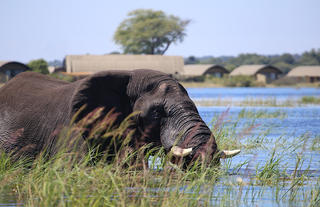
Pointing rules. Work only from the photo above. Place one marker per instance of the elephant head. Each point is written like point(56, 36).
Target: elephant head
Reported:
point(166, 115)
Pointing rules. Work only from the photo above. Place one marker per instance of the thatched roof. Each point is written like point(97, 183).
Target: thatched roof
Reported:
point(250, 70)
point(303, 71)
point(12, 63)
point(96, 63)
point(202, 69)
point(9, 69)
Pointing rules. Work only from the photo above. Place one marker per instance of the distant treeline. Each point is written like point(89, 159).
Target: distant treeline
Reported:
point(285, 62)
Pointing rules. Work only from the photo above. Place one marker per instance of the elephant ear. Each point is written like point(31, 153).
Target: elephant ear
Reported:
point(107, 90)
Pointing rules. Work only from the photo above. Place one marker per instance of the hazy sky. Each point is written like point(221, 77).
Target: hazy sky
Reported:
point(51, 29)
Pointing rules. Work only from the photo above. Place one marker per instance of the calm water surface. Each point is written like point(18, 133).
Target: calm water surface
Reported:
point(297, 122)
point(241, 93)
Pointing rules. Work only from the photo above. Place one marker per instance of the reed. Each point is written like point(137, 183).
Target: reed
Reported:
point(265, 102)
point(71, 178)
point(310, 100)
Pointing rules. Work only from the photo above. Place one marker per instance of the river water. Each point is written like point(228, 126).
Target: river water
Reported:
point(283, 127)
point(293, 122)
point(241, 93)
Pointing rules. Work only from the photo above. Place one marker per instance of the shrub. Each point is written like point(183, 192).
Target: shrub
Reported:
point(40, 66)
point(235, 81)
point(287, 81)
point(63, 77)
point(310, 100)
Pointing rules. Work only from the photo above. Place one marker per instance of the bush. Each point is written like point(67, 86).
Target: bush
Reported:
point(39, 65)
point(235, 81)
point(193, 79)
point(63, 77)
point(310, 100)
point(287, 81)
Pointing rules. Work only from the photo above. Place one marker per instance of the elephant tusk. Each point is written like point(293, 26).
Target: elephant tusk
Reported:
point(228, 153)
point(180, 152)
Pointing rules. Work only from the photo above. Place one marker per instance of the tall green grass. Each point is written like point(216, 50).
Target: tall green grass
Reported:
point(74, 178)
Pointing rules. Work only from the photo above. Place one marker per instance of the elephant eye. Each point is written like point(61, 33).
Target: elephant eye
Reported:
point(156, 113)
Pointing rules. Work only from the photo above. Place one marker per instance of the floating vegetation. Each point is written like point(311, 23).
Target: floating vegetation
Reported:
point(261, 102)
point(310, 100)
point(262, 114)
point(270, 102)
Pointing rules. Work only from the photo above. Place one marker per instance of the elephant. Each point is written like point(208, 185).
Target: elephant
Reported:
point(35, 107)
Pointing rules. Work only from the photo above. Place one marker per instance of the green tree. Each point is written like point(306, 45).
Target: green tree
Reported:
point(192, 60)
point(310, 58)
point(283, 66)
point(149, 32)
point(39, 65)
point(286, 58)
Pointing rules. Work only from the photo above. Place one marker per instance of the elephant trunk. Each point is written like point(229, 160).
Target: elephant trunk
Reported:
point(193, 137)
point(185, 128)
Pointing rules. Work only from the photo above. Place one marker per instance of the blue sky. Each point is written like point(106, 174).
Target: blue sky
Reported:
point(51, 29)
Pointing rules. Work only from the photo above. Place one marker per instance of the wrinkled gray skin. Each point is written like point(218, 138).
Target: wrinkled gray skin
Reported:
point(34, 108)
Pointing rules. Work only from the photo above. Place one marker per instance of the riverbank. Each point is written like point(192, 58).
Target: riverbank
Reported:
point(209, 84)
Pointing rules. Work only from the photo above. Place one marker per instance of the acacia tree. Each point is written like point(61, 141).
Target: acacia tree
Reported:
point(149, 32)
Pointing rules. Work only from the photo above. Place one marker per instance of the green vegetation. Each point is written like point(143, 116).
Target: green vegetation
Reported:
point(266, 102)
point(74, 179)
point(284, 61)
point(272, 102)
point(62, 76)
point(40, 66)
point(235, 81)
point(149, 32)
point(242, 81)
point(225, 81)
point(262, 114)
point(310, 100)
point(316, 144)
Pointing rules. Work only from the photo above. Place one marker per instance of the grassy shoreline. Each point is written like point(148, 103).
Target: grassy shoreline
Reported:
point(66, 181)
point(208, 84)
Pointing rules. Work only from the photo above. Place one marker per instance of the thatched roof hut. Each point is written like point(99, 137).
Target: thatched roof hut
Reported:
point(309, 73)
point(204, 69)
point(262, 73)
point(9, 69)
point(95, 63)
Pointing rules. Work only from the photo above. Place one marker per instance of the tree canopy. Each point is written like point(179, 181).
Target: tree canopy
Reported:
point(39, 65)
point(310, 57)
point(285, 61)
point(149, 32)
